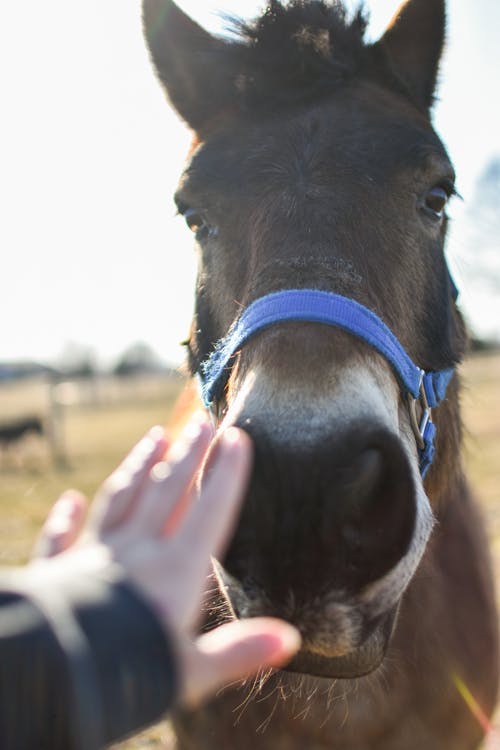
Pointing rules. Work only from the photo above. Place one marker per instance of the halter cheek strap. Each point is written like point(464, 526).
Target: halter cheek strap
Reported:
point(312, 305)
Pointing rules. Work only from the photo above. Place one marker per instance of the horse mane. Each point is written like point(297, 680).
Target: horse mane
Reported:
point(303, 51)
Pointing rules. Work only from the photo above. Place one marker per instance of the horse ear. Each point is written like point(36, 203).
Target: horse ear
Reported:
point(187, 62)
point(414, 42)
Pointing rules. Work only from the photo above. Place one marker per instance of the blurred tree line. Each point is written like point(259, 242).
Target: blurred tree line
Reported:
point(484, 240)
point(80, 361)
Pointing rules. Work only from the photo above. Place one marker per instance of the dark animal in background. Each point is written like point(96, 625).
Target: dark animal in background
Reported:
point(14, 431)
point(315, 166)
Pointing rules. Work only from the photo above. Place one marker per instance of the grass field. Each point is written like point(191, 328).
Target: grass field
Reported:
point(98, 427)
point(100, 424)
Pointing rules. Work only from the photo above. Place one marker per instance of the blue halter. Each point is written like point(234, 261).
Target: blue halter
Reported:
point(312, 305)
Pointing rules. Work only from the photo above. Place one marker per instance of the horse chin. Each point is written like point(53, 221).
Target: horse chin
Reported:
point(354, 643)
point(361, 661)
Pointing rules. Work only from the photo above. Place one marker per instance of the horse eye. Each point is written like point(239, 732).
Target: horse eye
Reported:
point(194, 220)
point(436, 200)
point(198, 224)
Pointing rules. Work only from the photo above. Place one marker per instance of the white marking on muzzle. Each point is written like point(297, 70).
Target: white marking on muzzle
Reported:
point(303, 413)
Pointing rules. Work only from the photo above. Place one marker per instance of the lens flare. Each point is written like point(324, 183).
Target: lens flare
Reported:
point(472, 704)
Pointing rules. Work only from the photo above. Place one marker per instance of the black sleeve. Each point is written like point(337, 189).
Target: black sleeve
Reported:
point(83, 662)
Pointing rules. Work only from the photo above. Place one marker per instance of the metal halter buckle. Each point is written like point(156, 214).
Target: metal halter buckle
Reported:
point(418, 426)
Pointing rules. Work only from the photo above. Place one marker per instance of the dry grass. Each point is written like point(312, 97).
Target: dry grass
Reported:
point(481, 411)
point(481, 416)
point(101, 426)
point(98, 427)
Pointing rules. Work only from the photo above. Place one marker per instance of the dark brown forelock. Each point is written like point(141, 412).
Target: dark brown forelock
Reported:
point(302, 52)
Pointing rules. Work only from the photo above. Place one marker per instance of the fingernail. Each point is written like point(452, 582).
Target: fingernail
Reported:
point(283, 644)
point(59, 525)
point(154, 435)
point(222, 447)
point(65, 505)
point(145, 446)
point(290, 638)
point(161, 471)
point(187, 439)
point(194, 426)
point(60, 518)
point(231, 436)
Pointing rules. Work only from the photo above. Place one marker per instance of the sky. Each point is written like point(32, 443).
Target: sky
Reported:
point(90, 153)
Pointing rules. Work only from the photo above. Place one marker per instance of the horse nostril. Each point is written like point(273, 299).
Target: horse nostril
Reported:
point(366, 473)
point(349, 499)
point(373, 508)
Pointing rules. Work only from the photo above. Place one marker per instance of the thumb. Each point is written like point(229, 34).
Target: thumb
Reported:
point(235, 651)
point(62, 526)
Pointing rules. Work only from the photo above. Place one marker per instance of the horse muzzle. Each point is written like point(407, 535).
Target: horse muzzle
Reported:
point(329, 537)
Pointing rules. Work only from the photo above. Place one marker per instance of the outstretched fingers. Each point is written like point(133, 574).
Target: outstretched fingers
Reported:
point(172, 482)
point(116, 499)
point(209, 525)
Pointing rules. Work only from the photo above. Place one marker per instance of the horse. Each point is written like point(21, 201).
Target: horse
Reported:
point(15, 431)
point(326, 325)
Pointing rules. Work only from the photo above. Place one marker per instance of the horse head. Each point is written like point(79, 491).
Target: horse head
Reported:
point(315, 166)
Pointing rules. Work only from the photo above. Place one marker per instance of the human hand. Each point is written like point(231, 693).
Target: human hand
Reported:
point(151, 519)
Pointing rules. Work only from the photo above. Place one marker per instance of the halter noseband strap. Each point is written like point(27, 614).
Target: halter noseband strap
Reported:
point(312, 305)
